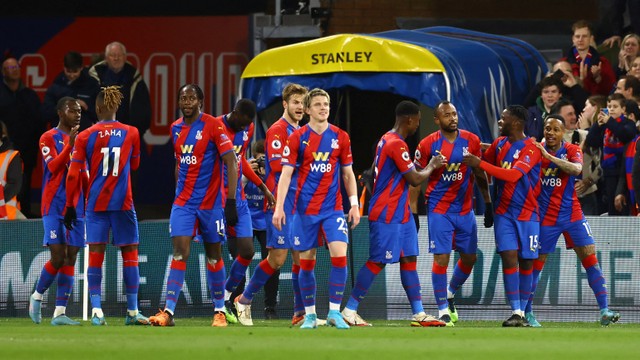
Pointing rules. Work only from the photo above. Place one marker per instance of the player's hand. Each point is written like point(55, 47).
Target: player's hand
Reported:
point(278, 219)
point(271, 200)
point(72, 135)
point(471, 160)
point(488, 215)
point(231, 212)
point(437, 161)
point(416, 219)
point(620, 202)
point(70, 218)
point(354, 216)
point(544, 152)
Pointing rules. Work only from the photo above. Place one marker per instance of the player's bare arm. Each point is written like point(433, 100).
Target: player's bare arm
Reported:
point(279, 217)
point(349, 179)
point(567, 166)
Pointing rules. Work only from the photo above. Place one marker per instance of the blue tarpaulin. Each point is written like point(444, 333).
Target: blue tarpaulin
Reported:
point(480, 73)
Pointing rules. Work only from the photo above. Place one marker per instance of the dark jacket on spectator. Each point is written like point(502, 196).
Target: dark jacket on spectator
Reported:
point(84, 88)
point(136, 105)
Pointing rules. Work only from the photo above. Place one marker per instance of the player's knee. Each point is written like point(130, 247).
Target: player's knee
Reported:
point(469, 259)
point(408, 259)
point(246, 250)
point(57, 261)
point(179, 255)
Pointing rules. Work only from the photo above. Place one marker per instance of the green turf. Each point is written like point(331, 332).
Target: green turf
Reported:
point(194, 339)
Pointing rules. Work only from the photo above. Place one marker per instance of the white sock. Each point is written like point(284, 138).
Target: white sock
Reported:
point(169, 311)
point(97, 312)
point(132, 312)
point(310, 309)
point(334, 306)
point(37, 295)
point(443, 312)
point(60, 310)
point(227, 295)
point(450, 295)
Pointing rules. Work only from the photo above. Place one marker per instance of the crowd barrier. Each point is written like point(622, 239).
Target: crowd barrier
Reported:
point(563, 293)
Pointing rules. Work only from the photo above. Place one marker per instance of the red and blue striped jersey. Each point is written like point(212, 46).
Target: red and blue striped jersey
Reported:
point(56, 156)
point(198, 151)
point(274, 144)
point(318, 159)
point(612, 147)
point(450, 188)
point(390, 200)
point(558, 199)
point(240, 141)
point(629, 154)
point(516, 200)
point(111, 150)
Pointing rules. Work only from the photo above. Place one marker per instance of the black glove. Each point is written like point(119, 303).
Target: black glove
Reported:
point(416, 219)
point(231, 212)
point(70, 217)
point(488, 215)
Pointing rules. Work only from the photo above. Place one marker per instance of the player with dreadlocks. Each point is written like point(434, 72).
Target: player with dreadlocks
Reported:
point(110, 150)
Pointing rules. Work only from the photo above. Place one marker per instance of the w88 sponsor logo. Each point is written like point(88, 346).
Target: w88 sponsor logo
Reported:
point(321, 167)
point(552, 181)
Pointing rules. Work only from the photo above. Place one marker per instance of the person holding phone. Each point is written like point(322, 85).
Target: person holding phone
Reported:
point(611, 133)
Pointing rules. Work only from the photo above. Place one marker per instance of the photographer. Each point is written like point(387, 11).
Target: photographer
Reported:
point(255, 199)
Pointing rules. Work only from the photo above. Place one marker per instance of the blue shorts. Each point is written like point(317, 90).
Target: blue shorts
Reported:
point(389, 242)
point(279, 239)
point(452, 232)
point(517, 235)
point(308, 229)
point(207, 224)
point(56, 233)
point(577, 233)
point(122, 223)
point(243, 229)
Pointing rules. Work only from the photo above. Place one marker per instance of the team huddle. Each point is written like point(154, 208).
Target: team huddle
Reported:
point(304, 169)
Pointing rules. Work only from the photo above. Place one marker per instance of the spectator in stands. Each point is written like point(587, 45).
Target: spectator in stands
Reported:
point(549, 94)
point(625, 195)
point(10, 177)
point(116, 70)
point(571, 87)
point(74, 81)
point(592, 108)
point(629, 87)
point(628, 52)
point(586, 183)
point(611, 133)
point(20, 110)
point(594, 70)
point(635, 68)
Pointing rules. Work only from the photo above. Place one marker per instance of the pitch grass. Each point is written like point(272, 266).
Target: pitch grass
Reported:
point(195, 339)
